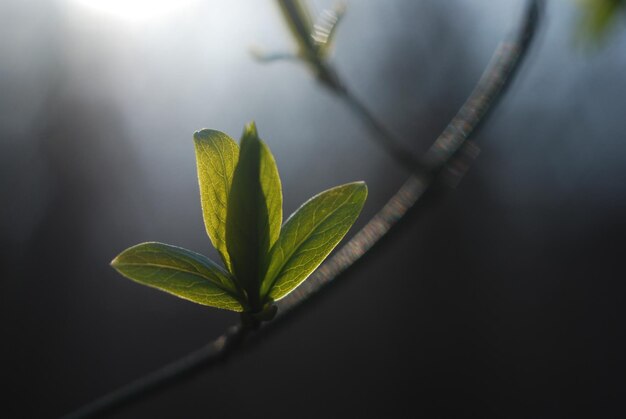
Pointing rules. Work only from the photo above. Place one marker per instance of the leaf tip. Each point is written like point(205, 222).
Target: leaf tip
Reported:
point(114, 263)
point(118, 264)
point(199, 134)
point(250, 137)
point(250, 134)
point(206, 134)
point(250, 129)
point(361, 186)
point(117, 260)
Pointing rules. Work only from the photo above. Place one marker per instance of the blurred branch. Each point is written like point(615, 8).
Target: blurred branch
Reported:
point(314, 43)
point(439, 158)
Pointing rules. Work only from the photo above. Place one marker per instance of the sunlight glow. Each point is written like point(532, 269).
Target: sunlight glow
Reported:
point(135, 10)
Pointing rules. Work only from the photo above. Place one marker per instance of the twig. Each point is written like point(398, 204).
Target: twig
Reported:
point(506, 60)
point(299, 21)
point(498, 75)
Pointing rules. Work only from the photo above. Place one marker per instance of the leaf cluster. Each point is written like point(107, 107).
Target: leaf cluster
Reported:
point(263, 260)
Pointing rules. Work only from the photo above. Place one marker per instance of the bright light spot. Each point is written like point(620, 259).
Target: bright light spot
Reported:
point(135, 9)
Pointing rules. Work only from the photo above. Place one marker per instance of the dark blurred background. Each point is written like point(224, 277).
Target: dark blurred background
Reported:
point(504, 299)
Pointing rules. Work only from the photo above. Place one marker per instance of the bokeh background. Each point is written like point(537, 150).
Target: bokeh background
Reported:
point(505, 299)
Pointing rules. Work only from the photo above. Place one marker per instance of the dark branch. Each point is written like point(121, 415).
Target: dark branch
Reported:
point(498, 75)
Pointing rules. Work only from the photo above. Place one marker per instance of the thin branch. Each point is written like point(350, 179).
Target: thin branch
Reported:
point(498, 75)
point(304, 32)
point(506, 60)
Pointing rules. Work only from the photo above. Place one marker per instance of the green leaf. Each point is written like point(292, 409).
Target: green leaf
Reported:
point(309, 235)
point(180, 272)
point(254, 213)
point(216, 157)
point(598, 16)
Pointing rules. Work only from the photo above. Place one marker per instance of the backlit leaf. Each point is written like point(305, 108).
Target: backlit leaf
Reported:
point(179, 272)
point(216, 158)
point(254, 212)
point(309, 235)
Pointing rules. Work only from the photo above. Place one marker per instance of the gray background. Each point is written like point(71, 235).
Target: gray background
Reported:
point(505, 299)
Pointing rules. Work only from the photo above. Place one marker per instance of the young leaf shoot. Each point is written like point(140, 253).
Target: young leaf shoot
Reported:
point(241, 197)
